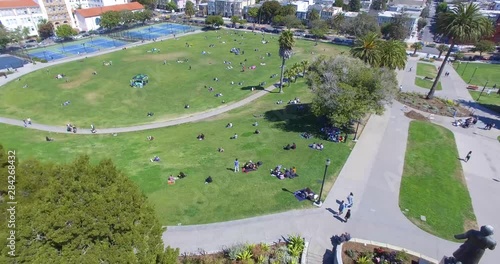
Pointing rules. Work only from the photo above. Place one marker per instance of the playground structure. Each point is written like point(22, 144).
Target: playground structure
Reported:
point(139, 81)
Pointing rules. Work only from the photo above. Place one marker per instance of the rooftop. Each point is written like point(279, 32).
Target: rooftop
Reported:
point(97, 11)
point(4, 4)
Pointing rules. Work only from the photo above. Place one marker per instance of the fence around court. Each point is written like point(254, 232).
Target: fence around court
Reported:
point(151, 32)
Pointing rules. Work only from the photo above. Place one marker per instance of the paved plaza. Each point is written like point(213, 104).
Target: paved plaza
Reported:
point(372, 172)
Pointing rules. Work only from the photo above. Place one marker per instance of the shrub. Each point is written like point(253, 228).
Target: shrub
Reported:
point(264, 247)
point(234, 251)
point(364, 260)
point(402, 256)
point(295, 245)
point(244, 255)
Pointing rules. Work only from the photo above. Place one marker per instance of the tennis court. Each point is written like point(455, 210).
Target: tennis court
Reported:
point(157, 31)
point(8, 61)
point(85, 46)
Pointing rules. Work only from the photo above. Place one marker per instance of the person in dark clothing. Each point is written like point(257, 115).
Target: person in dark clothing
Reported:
point(208, 180)
point(468, 156)
point(347, 215)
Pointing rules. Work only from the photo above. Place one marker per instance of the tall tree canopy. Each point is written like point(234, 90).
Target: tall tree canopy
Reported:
point(354, 5)
point(378, 53)
point(189, 11)
point(214, 21)
point(360, 25)
point(286, 43)
point(110, 19)
point(464, 23)
point(149, 4)
point(80, 213)
point(346, 89)
point(397, 29)
point(45, 29)
point(268, 10)
point(484, 46)
point(65, 31)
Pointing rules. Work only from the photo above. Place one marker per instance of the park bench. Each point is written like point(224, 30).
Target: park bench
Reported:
point(472, 87)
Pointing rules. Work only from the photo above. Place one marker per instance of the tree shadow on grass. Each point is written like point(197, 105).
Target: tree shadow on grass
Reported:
point(255, 87)
point(295, 118)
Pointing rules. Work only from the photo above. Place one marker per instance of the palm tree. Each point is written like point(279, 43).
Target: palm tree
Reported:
point(286, 43)
point(462, 24)
point(304, 64)
point(393, 54)
point(366, 49)
point(441, 48)
point(416, 46)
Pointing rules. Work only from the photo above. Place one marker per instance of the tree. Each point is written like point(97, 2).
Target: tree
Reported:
point(346, 89)
point(234, 20)
point(110, 19)
point(127, 17)
point(291, 21)
point(367, 49)
point(171, 6)
point(318, 28)
point(313, 15)
point(65, 31)
point(416, 46)
point(287, 10)
point(304, 65)
point(462, 24)
point(421, 23)
point(336, 21)
point(189, 11)
point(425, 12)
point(81, 212)
point(354, 5)
point(441, 8)
point(393, 54)
point(269, 9)
point(339, 3)
point(484, 46)
point(360, 25)
point(4, 36)
point(214, 21)
point(143, 15)
point(441, 48)
point(377, 4)
point(397, 29)
point(253, 12)
point(286, 43)
point(149, 4)
point(45, 29)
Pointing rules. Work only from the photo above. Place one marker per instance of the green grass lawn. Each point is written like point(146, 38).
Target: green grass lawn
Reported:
point(426, 83)
point(107, 100)
point(433, 184)
point(426, 69)
point(485, 73)
point(491, 101)
point(231, 195)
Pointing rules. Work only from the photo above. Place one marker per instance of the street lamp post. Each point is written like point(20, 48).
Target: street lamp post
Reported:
point(467, 64)
point(473, 75)
point(318, 202)
point(482, 91)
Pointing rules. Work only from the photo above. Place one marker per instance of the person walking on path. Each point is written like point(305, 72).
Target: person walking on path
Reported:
point(236, 165)
point(341, 207)
point(347, 215)
point(468, 156)
point(350, 200)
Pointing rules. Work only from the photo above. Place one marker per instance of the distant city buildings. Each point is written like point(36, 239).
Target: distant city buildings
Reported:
point(90, 18)
point(18, 14)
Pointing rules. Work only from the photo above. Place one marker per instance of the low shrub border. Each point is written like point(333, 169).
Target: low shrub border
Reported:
point(370, 245)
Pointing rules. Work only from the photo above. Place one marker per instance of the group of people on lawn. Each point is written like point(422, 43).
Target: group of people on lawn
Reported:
point(287, 173)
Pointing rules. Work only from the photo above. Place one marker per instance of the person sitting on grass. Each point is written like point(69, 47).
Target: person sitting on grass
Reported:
point(172, 179)
point(182, 175)
point(235, 136)
point(220, 150)
point(229, 125)
point(287, 147)
point(186, 106)
point(201, 136)
point(293, 146)
point(155, 159)
point(313, 145)
point(150, 138)
point(255, 124)
point(257, 132)
point(150, 114)
point(49, 139)
point(208, 180)
point(319, 146)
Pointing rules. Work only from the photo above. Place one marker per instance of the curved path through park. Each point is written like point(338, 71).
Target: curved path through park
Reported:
point(372, 172)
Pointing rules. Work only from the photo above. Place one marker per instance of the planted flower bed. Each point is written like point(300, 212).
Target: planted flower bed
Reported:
point(357, 253)
point(435, 105)
point(288, 252)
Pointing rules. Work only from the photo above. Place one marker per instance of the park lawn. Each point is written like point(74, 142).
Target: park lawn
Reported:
point(427, 84)
point(107, 100)
point(426, 69)
point(485, 72)
point(490, 101)
point(231, 195)
point(433, 184)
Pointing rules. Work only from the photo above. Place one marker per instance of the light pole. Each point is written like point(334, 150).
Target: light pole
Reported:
point(467, 64)
point(482, 91)
point(83, 44)
point(473, 75)
point(318, 202)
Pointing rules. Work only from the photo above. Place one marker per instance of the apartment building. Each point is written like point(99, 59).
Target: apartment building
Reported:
point(16, 14)
point(82, 4)
point(58, 12)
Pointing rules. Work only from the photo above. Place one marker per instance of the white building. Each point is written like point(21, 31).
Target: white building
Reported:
point(82, 4)
point(90, 18)
point(329, 12)
point(228, 8)
point(350, 15)
point(21, 14)
point(387, 16)
point(302, 7)
point(405, 8)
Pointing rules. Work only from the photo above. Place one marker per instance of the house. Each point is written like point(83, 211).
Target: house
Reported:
point(329, 12)
point(387, 16)
point(58, 12)
point(21, 14)
point(90, 18)
point(301, 8)
point(228, 8)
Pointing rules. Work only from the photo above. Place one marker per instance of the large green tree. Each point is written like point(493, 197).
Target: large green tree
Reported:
point(4, 36)
point(484, 46)
point(393, 54)
point(269, 10)
point(65, 31)
point(336, 21)
point(45, 29)
point(319, 28)
point(464, 23)
point(214, 21)
point(421, 23)
point(80, 212)
point(360, 25)
point(347, 89)
point(313, 15)
point(416, 47)
point(367, 49)
point(149, 4)
point(441, 8)
point(354, 5)
point(127, 17)
point(189, 11)
point(397, 29)
point(110, 19)
point(442, 48)
point(286, 43)
point(143, 15)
